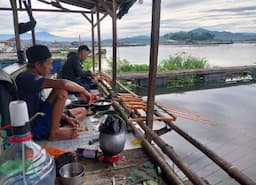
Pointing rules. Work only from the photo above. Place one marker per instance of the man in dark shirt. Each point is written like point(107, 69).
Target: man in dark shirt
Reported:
point(73, 69)
point(30, 84)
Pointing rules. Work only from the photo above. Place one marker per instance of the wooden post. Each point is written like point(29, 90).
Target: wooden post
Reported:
point(99, 38)
point(33, 30)
point(156, 8)
point(114, 45)
point(93, 47)
point(20, 53)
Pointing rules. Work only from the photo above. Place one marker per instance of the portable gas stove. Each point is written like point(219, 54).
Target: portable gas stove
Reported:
point(110, 159)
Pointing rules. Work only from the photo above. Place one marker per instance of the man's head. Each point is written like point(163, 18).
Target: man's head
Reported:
point(83, 52)
point(39, 58)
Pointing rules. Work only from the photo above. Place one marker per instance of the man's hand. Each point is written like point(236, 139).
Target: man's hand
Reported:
point(85, 96)
point(73, 122)
point(93, 75)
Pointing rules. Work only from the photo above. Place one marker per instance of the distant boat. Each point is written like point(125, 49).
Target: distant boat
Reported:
point(246, 78)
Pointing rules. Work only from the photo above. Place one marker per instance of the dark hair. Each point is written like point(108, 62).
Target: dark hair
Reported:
point(37, 53)
point(83, 47)
point(71, 53)
point(31, 65)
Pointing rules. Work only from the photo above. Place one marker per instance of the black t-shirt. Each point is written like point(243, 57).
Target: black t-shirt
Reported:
point(73, 70)
point(30, 90)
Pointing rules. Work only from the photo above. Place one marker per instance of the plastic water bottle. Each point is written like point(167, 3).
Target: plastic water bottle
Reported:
point(25, 162)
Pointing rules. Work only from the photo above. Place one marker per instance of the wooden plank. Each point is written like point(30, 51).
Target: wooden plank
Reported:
point(99, 173)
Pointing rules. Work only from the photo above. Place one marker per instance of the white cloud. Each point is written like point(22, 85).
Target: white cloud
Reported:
point(176, 15)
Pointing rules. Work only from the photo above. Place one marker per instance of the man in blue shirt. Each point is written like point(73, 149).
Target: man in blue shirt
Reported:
point(30, 84)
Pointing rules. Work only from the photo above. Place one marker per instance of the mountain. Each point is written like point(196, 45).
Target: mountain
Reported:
point(141, 39)
point(41, 36)
point(136, 39)
point(4, 37)
point(233, 36)
point(223, 35)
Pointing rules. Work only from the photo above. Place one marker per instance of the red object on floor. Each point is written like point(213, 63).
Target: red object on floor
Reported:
point(110, 159)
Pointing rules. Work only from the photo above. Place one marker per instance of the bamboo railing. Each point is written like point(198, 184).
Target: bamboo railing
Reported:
point(231, 170)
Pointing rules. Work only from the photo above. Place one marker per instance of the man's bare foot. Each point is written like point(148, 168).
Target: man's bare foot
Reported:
point(79, 113)
point(63, 133)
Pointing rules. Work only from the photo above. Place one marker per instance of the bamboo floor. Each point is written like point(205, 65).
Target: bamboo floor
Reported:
point(100, 173)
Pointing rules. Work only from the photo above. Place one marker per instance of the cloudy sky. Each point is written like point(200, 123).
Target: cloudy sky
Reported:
point(176, 15)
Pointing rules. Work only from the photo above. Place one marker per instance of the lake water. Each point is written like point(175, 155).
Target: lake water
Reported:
point(228, 118)
point(216, 55)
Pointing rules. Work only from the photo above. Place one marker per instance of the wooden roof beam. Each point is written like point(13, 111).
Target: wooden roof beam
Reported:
point(108, 10)
point(105, 15)
point(79, 4)
point(88, 19)
point(47, 10)
point(58, 5)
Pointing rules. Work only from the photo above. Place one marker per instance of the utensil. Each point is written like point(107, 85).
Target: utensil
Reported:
point(72, 173)
point(101, 105)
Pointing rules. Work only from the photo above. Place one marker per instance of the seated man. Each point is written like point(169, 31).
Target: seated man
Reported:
point(73, 69)
point(32, 81)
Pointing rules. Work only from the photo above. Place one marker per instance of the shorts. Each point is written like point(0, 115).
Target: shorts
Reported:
point(42, 124)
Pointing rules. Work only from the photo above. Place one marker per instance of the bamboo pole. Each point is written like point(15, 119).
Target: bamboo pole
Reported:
point(114, 44)
point(99, 38)
point(93, 46)
point(15, 23)
point(156, 10)
point(169, 151)
point(20, 53)
point(142, 119)
point(33, 30)
point(231, 170)
point(125, 88)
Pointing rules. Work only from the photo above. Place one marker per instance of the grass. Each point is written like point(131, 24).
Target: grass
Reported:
point(183, 61)
point(178, 62)
point(87, 63)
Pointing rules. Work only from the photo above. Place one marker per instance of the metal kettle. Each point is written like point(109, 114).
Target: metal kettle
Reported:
point(112, 135)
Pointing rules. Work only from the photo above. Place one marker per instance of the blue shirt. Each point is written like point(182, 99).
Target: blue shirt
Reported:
point(29, 89)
